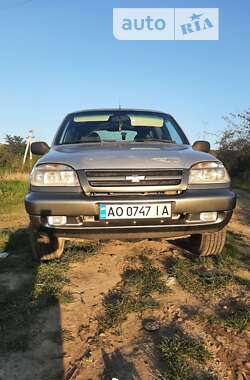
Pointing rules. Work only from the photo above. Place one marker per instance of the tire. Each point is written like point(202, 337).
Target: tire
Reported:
point(45, 246)
point(208, 244)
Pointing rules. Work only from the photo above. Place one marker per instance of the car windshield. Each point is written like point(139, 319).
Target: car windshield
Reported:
point(120, 127)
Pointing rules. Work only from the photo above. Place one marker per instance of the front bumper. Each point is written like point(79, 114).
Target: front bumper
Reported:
point(39, 205)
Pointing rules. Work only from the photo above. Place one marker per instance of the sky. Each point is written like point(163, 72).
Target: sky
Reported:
point(59, 56)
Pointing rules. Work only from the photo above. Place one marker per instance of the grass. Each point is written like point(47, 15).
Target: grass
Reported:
point(181, 356)
point(228, 258)
point(241, 184)
point(118, 304)
point(203, 277)
point(73, 251)
point(207, 275)
point(239, 319)
point(242, 281)
point(202, 317)
point(49, 282)
point(4, 235)
point(37, 287)
point(14, 176)
point(197, 278)
point(234, 313)
point(145, 280)
point(12, 191)
point(236, 316)
point(134, 293)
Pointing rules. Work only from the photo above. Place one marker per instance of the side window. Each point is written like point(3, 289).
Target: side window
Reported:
point(173, 133)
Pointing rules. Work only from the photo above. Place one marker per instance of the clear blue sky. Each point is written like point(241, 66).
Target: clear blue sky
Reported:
point(58, 56)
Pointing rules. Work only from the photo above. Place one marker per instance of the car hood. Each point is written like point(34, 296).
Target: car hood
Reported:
point(125, 156)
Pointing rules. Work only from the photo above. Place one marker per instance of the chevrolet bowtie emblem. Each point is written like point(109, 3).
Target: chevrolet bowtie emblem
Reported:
point(135, 178)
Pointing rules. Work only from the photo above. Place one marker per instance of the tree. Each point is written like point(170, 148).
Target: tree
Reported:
point(16, 144)
point(234, 145)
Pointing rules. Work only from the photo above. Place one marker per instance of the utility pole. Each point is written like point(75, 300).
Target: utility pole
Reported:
point(28, 148)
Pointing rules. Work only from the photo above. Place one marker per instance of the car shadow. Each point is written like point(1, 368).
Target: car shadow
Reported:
point(30, 318)
point(116, 366)
point(172, 358)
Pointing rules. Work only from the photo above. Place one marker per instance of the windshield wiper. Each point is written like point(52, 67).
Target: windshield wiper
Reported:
point(156, 140)
point(84, 141)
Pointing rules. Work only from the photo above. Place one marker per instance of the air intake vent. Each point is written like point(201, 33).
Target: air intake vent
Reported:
point(127, 178)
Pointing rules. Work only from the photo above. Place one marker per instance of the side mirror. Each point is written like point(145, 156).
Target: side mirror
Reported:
point(39, 148)
point(202, 146)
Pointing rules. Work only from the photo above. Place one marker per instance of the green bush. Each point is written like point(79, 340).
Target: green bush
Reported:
point(234, 145)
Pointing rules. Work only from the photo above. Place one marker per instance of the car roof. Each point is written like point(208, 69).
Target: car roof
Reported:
point(120, 110)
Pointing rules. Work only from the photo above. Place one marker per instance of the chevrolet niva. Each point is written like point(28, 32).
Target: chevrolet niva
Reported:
point(126, 174)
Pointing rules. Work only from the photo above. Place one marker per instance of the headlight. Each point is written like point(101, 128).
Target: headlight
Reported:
point(208, 172)
point(53, 175)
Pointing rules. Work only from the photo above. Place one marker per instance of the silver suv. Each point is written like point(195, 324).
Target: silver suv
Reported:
point(124, 174)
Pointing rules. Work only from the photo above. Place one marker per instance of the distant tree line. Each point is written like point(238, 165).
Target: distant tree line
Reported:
point(11, 154)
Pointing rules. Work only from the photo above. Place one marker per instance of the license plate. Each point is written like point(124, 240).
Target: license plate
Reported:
point(135, 211)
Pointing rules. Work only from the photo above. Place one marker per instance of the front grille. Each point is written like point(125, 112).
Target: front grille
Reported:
point(122, 178)
point(134, 195)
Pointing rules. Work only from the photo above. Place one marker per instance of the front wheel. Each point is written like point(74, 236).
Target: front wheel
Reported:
point(208, 244)
point(45, 246)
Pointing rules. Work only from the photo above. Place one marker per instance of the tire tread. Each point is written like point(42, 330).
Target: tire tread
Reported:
point(208, 244)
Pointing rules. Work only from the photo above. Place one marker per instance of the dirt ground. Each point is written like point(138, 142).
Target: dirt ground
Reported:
point(73, 341)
